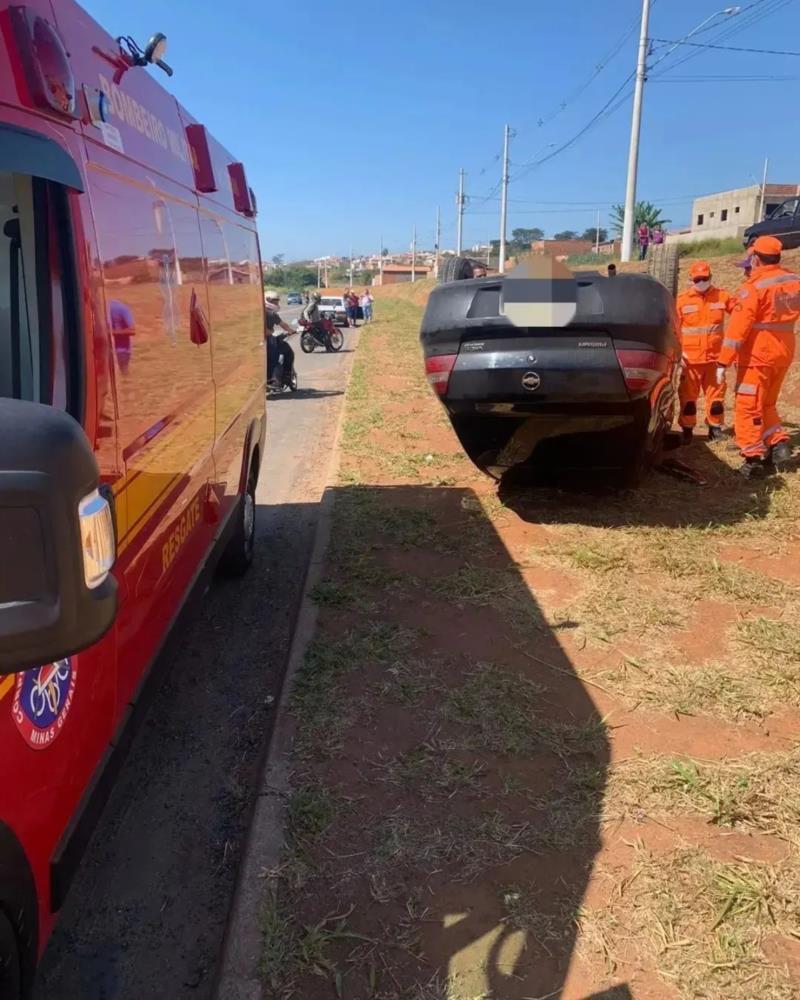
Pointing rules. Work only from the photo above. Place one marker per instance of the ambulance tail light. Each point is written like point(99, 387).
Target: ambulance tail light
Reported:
point(641, 369)
point(45, 62)
point(438, 370)
point(98, 538)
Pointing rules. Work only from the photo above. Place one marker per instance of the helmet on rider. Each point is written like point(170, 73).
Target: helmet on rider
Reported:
point(315, 297)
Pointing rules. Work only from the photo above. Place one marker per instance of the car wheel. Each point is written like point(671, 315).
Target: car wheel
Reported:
point(662, 264)
point(307, 343)
point(455, 269)
point(10, 971)
point(238, 555)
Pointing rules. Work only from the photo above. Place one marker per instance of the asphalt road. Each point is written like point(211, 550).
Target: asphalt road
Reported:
point(146, 914)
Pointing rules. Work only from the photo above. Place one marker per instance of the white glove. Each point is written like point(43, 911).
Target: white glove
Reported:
point(720, 374)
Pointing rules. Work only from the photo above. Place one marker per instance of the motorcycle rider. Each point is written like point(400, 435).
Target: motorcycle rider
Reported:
point(273, 320)
point(312, 318)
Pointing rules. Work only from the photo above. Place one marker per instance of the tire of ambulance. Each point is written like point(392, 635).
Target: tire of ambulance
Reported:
point(307, 343)
point(454, 269)
point(238, 555)
point(10, 970)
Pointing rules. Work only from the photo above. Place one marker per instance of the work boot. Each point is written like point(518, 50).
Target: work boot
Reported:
point(715, 432)
point(780, 454)
point(687, 434)
point(753, 468)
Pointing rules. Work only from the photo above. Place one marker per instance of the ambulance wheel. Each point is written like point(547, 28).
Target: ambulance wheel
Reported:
point(10, 972)
point(238, 554)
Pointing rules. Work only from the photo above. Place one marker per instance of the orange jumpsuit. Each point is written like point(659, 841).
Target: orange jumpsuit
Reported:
point(760, 340)
point(702, 315)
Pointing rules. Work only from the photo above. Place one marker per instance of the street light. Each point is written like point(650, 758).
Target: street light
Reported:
point(636, 118)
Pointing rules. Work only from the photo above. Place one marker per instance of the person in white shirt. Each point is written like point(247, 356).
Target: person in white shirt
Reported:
point(365, 302)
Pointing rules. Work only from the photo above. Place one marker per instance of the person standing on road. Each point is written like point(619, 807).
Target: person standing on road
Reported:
point(366, 305)
point(352, 307)
point(658, 236)
point(760, 340)
point(702, 309)
point(644, 240)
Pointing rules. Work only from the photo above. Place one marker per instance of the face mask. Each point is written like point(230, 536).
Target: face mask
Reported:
point(702, 286)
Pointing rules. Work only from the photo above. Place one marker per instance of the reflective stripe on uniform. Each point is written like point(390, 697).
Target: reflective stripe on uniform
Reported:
point(777, 327)
point(716, 305)
point(714, 328)
point(778, 279)
point(689, 309)
point(727, 342)
point(754, 450)
point(771, 430)
point(747, 389)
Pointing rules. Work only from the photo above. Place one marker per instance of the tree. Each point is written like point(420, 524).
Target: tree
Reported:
point(591, 234)
point(277, 260)
point(521, 239)
point(644, 211)
point(566, 234)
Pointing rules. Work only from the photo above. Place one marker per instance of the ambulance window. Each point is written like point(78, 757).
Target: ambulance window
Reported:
point(36, 358)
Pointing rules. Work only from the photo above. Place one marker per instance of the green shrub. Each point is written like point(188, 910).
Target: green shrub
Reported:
point(711, 247)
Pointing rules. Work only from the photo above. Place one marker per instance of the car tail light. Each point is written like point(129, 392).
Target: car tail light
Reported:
point(438, 370)
point(641, 369)
point(98, 540)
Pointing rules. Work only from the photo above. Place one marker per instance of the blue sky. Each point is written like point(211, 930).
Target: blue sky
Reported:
point(353, 119)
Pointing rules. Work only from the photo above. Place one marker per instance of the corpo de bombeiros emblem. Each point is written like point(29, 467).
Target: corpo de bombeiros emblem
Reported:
point(42, 700)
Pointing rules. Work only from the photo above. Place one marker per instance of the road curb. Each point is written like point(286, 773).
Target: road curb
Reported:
point(237, 977)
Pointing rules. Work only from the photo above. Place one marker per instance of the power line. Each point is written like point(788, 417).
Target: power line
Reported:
point(727, 79)
point(727, 48)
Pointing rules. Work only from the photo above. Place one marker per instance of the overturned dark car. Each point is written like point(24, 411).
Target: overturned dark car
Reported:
point(596, 393)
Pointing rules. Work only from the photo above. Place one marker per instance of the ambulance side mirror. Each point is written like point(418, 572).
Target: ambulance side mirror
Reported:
point(57, 539)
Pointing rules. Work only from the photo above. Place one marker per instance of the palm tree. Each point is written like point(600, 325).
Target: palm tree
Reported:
point(645, 211)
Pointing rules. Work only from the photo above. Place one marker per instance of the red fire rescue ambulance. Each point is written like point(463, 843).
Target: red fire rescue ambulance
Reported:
point(131, 422)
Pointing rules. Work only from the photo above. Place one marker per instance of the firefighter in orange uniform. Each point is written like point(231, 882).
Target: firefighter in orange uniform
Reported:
point(702, 309)
point(760, 341)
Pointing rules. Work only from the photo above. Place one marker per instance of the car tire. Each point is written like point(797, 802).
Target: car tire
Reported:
point(238, 555)
point(662, 264)
point(10, 966)
point(455, 269)
point(307, 343)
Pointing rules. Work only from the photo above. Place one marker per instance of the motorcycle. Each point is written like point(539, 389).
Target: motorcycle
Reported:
point(284, 377)
point(323, 334)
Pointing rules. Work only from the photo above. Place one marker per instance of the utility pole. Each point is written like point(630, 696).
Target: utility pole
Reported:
point(319, 274)
point(504, 201)
point(460, 211)
point(438, 240)
point(597, 237)
point(636, 127)
point(762, 199)
point(414, 254)
point(488, 251)
point(380, 261)
point(351, 265)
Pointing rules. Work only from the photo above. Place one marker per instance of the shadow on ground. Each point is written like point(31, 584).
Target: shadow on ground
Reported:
point(449, 770)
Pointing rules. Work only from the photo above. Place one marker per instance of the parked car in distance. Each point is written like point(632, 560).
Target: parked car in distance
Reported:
point(333, 306)
point(294, 299)
point(598, 393)
point(783, 222)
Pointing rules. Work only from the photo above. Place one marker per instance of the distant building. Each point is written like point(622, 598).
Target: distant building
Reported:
point(729, 213)
point(394, 273)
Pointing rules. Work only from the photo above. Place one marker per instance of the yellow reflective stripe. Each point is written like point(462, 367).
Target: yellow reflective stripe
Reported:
point(714, 328)
point(689, 309)
point(5, 685)
point(727, 342)
point(747, 389)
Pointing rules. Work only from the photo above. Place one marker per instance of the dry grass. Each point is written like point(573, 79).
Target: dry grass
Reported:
point(700, 923)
